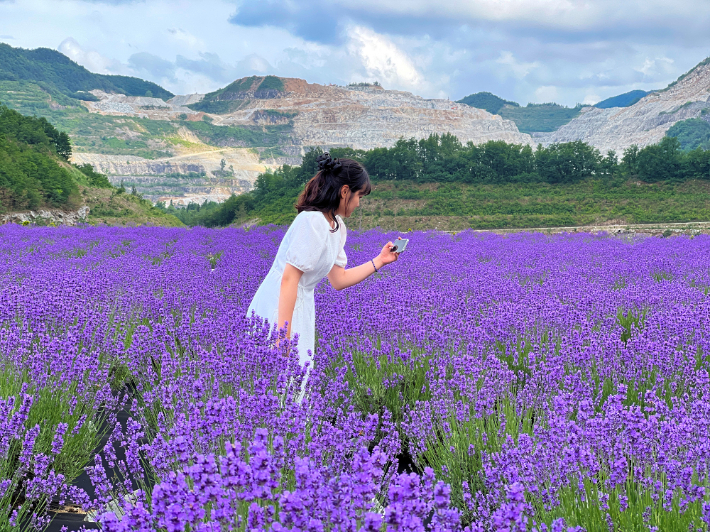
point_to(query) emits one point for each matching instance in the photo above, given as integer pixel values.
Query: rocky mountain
(643, 123)
(299, 113)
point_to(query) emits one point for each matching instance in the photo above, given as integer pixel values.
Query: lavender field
(482, 382)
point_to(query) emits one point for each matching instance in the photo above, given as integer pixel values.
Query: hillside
(532, 118)
(445, 184)
(35, 175)
(488, 101)
(195, 148)
(622, 100)
(646, 121)
(57, 72)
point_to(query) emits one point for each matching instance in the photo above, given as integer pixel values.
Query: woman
(313, 248)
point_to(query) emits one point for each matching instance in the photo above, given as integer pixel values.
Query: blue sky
(566, 51)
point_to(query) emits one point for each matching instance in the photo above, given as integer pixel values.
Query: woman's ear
(345, 192)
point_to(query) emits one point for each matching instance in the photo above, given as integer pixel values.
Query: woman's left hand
(387, 256)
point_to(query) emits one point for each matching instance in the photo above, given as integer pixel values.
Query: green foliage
(692, 133)
(540, 117)
(661, 162)
(30, 172)
(622, 100)
(64, 76)
(496, 185)
(262, 136)
(232, 97)
(486, 100)
(95, 179)
(534, 117)
(271, 83)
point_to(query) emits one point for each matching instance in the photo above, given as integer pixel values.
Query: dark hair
(322, 192)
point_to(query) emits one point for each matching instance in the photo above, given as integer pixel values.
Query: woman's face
(349, 202)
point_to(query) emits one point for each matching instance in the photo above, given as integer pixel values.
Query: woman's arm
(288, 294)
(341, 278)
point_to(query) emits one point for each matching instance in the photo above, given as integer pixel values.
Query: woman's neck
(331, 221)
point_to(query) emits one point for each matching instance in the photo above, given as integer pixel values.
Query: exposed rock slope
(192, 177)
(643, 123)
(361, 117)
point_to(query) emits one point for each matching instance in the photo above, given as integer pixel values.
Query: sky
(566, 51)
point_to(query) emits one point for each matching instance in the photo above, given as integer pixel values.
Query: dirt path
(683, 227)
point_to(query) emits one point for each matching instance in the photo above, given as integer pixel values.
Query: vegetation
(544, 117)
(692, 133)
(622, 100)
(31, 171)
(270, 83)
(35, 173)
(55, 72)
(535, 117)
(438, 182)
(486, 100)
(246, 136)
(232, 97)
(192, 214)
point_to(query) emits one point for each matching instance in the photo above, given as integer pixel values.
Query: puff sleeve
(342, 258)
(307, 244)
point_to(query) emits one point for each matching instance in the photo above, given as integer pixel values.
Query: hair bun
(327, 163)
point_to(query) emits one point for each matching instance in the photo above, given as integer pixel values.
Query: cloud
(514, 48)
(520, 69)
(186, 37)
(209, 64)
(546, 94)
(381, 59)
(656, 66)
(152, 65)
(90, 59)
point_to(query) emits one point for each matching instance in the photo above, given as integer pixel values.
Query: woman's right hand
(387, 256)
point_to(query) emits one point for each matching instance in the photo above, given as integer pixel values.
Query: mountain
(488, 101)
(54, 70)
(532, 118)
(692, 133)
(622, 100)
(35, 175)
(643, 123)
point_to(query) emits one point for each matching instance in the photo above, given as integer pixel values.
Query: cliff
(292, 114)
(642, 123)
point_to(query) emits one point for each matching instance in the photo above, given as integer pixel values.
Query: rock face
(47, 216)
(189, 178)
(361, 117)
(643, 123)
(371, 117)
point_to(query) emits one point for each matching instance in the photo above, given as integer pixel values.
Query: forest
(34, 168)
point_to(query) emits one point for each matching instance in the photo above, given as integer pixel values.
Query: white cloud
(381, 59)
(186, 37)
(520, 69)
(91, 59)
(652, 67)
(546, 94)
(591, 98)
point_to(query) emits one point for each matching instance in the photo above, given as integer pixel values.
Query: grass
(404, 206)
(109, 207)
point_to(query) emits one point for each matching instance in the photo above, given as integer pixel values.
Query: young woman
(313, 248)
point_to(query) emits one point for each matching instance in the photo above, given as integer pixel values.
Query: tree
(661, 162)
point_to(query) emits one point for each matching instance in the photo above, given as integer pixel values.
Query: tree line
(444, 159)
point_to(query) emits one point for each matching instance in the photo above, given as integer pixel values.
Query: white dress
(310, 246)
